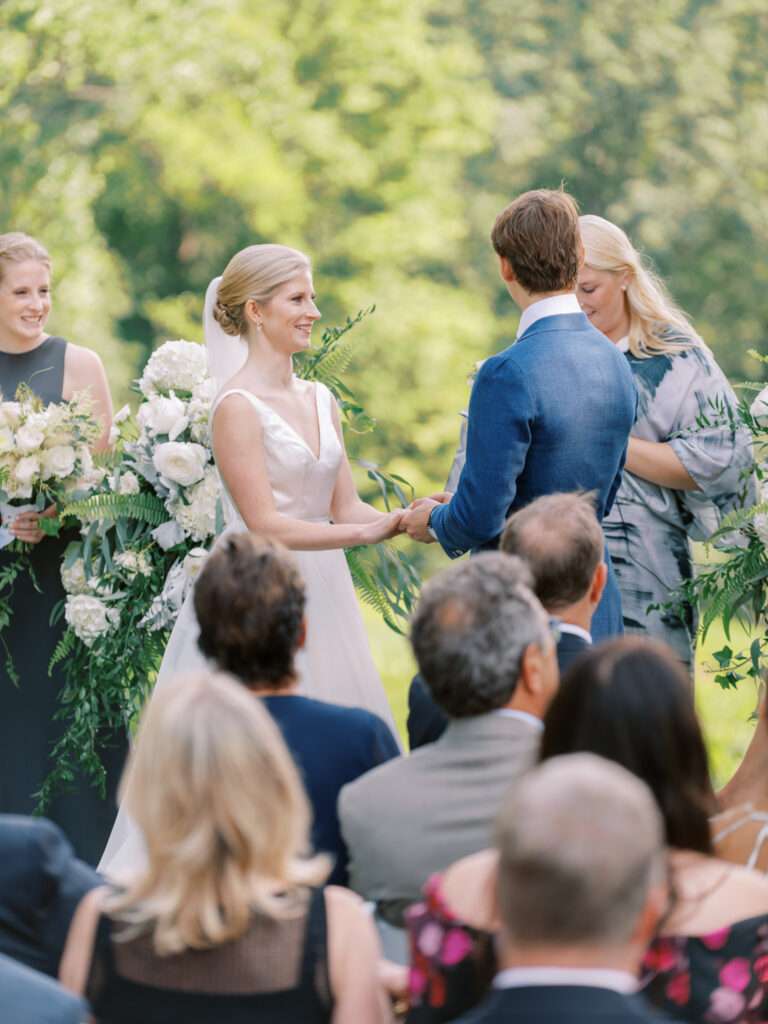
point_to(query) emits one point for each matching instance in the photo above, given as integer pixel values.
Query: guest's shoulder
(31, 835)
(376, 785)
(359, 719)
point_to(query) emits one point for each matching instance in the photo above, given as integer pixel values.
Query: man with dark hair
(581, 890)
(550, 413)
(249, 603)
(484, 647)
(560, 540)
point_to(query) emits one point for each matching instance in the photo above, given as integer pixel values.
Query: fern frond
(146, 507)
(63, 649)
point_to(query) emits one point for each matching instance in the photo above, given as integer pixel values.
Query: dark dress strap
(315, 951)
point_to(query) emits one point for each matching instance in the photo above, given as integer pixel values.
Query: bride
(279, 449)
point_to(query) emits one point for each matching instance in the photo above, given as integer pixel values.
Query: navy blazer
(550, 413)
(427, 722)
(332, 745)
(41, 883)
(562, 1004)
(28, 997)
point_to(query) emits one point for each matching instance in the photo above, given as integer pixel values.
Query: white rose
(128, 483)
(194, 562)
(58, 461)
(74, 579)
(759, 408)
(134, 563)
(197, 515)
(175, 366)
(10, 414)
(180, 463)
(163, 415)
(89, 617)
(7, 442)
(27, 470)
(30, 436)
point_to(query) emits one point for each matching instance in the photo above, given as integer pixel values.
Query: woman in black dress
(55, 370)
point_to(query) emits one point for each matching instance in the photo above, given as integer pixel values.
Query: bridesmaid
(55, 370)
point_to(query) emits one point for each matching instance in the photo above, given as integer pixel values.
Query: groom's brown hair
(538, 235)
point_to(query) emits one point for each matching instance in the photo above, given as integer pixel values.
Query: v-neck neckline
(293, 429)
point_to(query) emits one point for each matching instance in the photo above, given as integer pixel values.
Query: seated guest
(580, 890)
(41, 883)
(249, 603)
(28, 997)
(483, 645)
(629, 701)
(228, 920)
(559, 538)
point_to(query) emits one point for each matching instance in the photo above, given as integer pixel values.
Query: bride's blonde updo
(254, 273)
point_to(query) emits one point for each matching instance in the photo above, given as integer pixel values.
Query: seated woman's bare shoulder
(712, 894)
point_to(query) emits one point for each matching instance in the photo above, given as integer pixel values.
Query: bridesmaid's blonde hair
(254, 273)
(656, 325)
(16, 247)
(226, 822)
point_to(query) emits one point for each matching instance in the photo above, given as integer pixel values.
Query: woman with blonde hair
(279, 449)
(228, 920)
(55, 370)
(688, 463)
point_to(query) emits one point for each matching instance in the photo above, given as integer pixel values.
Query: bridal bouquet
(45, 459)
(145, 528)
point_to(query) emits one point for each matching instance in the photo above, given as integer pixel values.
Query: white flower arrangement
(176, 366)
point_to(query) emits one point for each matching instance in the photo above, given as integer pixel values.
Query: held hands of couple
(416, 519)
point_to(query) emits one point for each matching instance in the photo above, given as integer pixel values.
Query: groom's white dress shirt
(592, 977)
(554, 305)
(574, 630)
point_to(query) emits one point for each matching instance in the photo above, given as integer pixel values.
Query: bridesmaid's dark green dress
(27, 726)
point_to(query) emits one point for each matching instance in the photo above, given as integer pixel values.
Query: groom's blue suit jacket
(550, 413)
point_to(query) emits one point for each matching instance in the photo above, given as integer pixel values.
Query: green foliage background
(146, 142)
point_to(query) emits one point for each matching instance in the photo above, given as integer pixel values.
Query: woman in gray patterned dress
(687, 466)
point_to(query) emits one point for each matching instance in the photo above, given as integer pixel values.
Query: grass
(726, 715)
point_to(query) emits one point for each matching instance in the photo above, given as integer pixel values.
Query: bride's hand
(383, 528)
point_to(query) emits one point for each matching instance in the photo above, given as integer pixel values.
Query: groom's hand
(441, 497)
(415, 520)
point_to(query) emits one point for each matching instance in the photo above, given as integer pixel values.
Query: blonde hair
(225, 819)
(656, 325)
(15, 247)
(254, 273)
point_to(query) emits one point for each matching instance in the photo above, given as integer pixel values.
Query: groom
(550, 413)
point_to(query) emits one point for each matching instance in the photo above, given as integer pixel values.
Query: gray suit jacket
(28, 997)
(417, 814)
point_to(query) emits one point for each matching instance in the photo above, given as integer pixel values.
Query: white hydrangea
(162, 414)
(90, 617)
(73, 577)
(180, 463)
(133, 563)
(759, 408)
(198, 517)
(175, 366)
(58, 461)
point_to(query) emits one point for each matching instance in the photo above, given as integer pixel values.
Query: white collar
(554, 305)
(622, 344)
(573, 630)
(592, 977)
(522, 716)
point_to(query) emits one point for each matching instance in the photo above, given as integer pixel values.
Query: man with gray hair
(581, 889)
(484, 647)
(560, 540)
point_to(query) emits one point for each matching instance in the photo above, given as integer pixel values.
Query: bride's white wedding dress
(335, 664)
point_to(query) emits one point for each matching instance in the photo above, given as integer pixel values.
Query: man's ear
(531, 671)
(598, 584)
(506, 271)
(301, 639)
